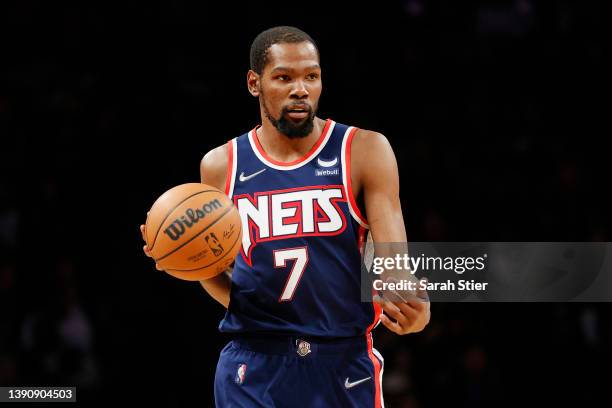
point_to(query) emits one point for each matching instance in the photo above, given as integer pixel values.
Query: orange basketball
(193, 231)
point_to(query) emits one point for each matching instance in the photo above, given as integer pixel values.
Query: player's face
(290, 87)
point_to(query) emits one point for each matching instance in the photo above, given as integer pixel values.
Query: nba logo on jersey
(241, 373)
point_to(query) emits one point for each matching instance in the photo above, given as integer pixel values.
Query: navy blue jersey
(298, 271)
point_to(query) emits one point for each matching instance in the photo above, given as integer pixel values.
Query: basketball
(193, 231)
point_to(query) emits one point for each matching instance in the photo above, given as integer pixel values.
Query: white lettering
(279, 213)
(335, 220)
(259, 215)
(299, 206)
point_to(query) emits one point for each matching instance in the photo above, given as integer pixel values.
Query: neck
(280, 147)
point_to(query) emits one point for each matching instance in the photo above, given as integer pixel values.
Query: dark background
(495, 110)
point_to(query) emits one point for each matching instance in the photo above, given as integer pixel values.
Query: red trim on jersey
(377, 311)
(247, 256)
(361, 239)
(351, 197)
(230, 167)
(297, 161)
(376, 362)
(320, 214)
(294, 219)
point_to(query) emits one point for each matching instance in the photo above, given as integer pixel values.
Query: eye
(283, 77)
(312, 76)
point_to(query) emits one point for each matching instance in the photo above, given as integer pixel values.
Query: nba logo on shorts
(241, 373)
(303, 347)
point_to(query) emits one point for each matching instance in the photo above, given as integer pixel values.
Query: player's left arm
(374, 171)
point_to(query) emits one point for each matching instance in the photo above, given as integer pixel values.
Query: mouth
(298, 112)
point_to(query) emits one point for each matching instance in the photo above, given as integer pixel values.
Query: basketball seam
(196, 235)
(206, 266)
(170, 212)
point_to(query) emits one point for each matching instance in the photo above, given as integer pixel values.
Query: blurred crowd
(492, 109)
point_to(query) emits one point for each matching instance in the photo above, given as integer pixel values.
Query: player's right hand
(145, 248)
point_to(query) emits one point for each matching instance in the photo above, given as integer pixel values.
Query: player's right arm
(213, 171)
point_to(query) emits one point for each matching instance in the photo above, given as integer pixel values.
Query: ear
(253, 82)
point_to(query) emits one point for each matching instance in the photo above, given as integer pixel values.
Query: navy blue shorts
(293, 372)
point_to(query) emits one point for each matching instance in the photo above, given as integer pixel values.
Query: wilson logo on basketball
(191, 217)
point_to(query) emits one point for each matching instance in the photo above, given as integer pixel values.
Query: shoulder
(372, 156)
(369, 142)
(216, 156)
(213, 167)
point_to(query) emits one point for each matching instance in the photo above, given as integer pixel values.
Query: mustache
(298, 106)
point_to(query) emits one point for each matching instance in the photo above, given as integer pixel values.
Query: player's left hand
(145, 248)
(410, 316)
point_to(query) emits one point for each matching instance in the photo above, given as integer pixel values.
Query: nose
(299, 91)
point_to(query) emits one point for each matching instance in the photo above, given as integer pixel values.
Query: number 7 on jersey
(300, 256)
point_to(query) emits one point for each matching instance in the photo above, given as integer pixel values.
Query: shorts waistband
(301, 346)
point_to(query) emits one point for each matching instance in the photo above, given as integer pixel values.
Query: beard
(289, 128)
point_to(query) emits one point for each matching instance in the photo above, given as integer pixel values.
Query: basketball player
(303, 187)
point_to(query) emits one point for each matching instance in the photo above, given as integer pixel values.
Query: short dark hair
(275, 35)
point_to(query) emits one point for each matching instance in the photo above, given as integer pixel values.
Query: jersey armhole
(231, 167)
(346, 177)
